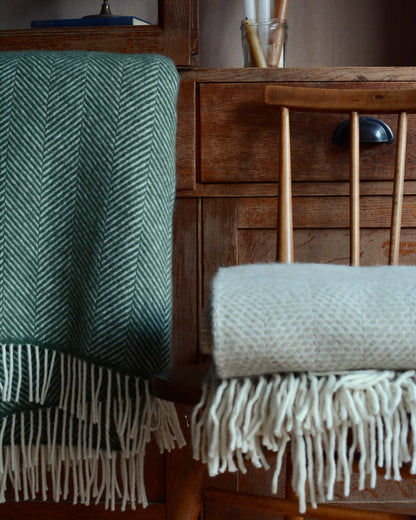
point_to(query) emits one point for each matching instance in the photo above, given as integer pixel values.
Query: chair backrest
(354, 102)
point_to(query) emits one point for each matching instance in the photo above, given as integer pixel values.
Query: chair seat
(182, 384)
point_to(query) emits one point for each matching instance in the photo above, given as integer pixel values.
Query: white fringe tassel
(237, 418)
(32, 466)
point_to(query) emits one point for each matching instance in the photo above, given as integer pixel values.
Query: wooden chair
(184, 385)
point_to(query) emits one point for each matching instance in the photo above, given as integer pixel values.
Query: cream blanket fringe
(70, 459)
(237, 418)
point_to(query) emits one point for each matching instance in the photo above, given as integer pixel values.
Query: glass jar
(264, 42)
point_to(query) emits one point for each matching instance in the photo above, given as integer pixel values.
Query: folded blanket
(313, 317)
(307, 353)
(87, 186)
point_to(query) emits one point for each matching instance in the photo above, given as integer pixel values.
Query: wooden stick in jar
(256, 51)
(281, 9)
(278, 37)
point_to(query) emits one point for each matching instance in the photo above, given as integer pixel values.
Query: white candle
(264, 9)
(264, 16)
(250, 9)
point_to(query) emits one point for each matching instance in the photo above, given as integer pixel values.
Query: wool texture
(87, 185)
(318, 356)
(272, 318)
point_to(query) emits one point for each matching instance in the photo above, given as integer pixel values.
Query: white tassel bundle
(328, 419)
(69, 445)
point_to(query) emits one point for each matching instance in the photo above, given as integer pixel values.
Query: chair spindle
(285, 224)
(355, 189)
(397, 208)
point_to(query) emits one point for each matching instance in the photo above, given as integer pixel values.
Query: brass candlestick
(105, 11)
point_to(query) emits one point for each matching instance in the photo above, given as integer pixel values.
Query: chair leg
(187, 503)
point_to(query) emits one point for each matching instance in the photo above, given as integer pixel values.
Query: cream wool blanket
(306, 353)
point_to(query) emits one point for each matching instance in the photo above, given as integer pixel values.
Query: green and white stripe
(87, 183)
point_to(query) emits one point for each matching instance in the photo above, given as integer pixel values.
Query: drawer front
(239, 137)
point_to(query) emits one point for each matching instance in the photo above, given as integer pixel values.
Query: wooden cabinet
(232, 179)
(227, 159)
(226, 207)
(229, 215)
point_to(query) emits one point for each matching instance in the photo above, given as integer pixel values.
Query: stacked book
(90, 21)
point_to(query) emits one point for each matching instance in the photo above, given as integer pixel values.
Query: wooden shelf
(176, 36)
(299, 74)
(115, 39)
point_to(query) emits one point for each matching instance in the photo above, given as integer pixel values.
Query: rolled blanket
(274, 318)
(306, 353)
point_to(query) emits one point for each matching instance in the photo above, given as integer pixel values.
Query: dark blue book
(89, 22)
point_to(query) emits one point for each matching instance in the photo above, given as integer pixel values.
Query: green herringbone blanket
(87, 179)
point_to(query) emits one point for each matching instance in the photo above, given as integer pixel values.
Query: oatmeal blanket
(87, 182)
(321, 356)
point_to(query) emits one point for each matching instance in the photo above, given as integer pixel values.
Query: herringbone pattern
(87, 183)
(86, 195)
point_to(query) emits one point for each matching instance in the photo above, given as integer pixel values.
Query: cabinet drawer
(240, 139)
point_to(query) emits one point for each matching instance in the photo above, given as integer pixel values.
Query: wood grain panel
(299, 189)
(240, 136)
(219, 238)
(325, 246)
(177, 23)
(185, 137)
(324, 212)
(257, 245)
(108, 39)
(185, 315)
(383, 75)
